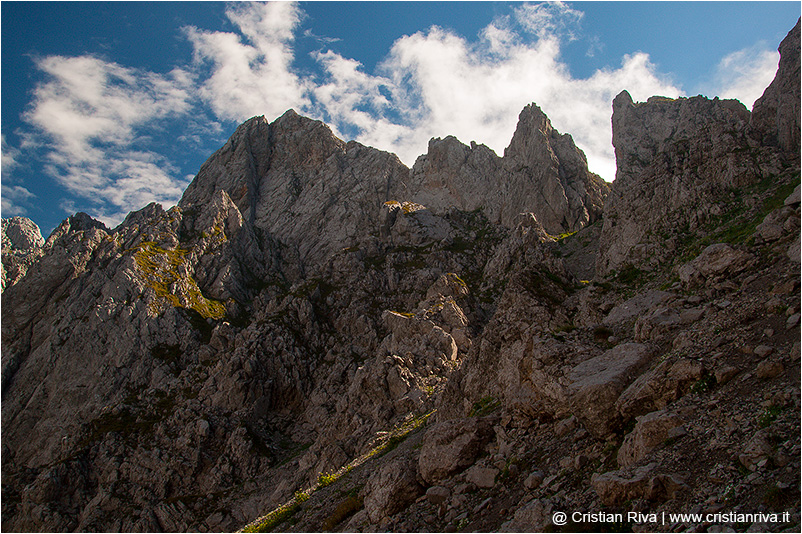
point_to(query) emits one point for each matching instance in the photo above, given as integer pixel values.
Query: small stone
(763, 350)
(565, 426)
(513, 470)
(725, 373)
(437, 494)
(767, 369)
(533, 480)
(483, 477)
(481, 506)
(768, 332)
(691, 316)
(792, 321)
(581, 461)
(459, 489)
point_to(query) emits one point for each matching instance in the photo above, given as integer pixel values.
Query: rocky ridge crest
(303, 335)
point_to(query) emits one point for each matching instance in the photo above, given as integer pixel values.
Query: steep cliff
(319, 338)
(679, 162)
(542, 172)
(776, 114)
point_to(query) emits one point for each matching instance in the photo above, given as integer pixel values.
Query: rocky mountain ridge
(470, 344)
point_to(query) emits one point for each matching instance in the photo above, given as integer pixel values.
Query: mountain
(320, 338)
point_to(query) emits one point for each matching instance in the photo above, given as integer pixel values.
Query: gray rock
(775, 115)
(451, 446)
(763, 350)
(769, 369)
(615, 487)
(437, 494)
(597, 383)
(534, 480)
(391, 490)
(650, 431)
(534, 516)
(20, 234)
(543, 172)
(725, 373)
(715, 261)
(482, 477)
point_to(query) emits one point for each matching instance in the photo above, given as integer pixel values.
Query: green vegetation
(326, 479)
(563, 236)
(629, 274)
(164, 271)
(269, 521)
(130, 421)
(279, 515)
(738, 224)
(704, 384)
(484, 406)
(769, 415)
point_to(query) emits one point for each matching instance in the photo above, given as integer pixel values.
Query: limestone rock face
(678, 158)
(542, 172)
(22, 243)
(298, 185)
(304, 334)
(776, 114)
(675, 158)
(21, 233)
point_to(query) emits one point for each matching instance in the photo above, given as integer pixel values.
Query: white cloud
(745, 74)
(13, 199)
(251, 71)
(441, 84)
(91, 115)
(9, 158)
(96, 119)
(548, 19)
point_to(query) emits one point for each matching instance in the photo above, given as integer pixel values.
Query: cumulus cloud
(91, 115)
(97, 119)
(745, 74)
(436, 83)
(251, 71)
(14, 200)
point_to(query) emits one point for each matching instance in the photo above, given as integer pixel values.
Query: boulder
(597, 383)
(717, 261)
(650, 431)
(391, 489)
(615, 487)
(451, 446)
(655, 389)
(482, 477)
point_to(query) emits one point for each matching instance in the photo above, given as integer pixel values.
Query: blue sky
(107, 106)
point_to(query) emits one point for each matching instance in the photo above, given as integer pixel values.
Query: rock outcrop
(678, 158)
(22, 244)
(776, 114)
(318, 338)
(542, 172)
